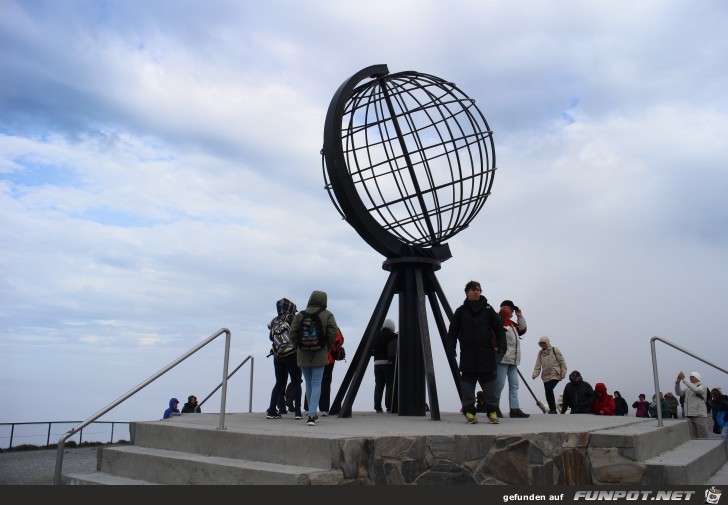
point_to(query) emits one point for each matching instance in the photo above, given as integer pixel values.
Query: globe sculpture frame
(408, 161)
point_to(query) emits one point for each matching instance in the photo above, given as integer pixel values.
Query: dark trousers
(487, 381)
(286, 367)
(383, 380)
(325, 398)
(549, 387)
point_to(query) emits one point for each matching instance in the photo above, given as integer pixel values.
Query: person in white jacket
(695, 409)
(509, 361)
(551, 365)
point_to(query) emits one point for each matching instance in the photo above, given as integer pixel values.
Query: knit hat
(389, 324)
(508, 303)
(696, 375)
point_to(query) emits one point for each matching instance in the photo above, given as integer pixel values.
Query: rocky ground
(38, 467)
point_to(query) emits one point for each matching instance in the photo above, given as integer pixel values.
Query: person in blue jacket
(173, 403)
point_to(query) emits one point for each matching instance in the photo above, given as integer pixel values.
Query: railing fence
(41, 433)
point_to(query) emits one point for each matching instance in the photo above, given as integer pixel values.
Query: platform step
(102, 479)
(181, 468)
(690, 462)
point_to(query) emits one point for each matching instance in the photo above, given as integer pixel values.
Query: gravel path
(39, 467)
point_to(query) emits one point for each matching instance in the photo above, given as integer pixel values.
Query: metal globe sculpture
(408, 161)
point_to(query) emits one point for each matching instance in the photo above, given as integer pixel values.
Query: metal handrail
(654, 370)
(62, 440)
(250, 396)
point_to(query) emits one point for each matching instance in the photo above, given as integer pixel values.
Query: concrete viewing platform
(370, 448)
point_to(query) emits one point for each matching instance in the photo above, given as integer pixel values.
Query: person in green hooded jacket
(312, 363)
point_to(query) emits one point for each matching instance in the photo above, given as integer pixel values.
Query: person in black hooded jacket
(479, 330)
(578, 395)
(286, 366)
(620, 405)
(191, 407)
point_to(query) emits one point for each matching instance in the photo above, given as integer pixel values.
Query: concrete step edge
(102, 478)
(693, 461)
(175, 467)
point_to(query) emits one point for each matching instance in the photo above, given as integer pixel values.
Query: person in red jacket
(603, 404)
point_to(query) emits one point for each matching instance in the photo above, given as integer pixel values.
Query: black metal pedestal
(412, 279)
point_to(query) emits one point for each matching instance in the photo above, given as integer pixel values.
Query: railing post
(12, 431)
(250, 396)
(658, 403)
(112, 433)
(48, 438)
(223, 396)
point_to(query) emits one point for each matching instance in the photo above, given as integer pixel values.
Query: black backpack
(313, 337)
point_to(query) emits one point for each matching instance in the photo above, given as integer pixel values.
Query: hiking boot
(272, 415)
(311, 421)
(553, 412)
(471, 419)
(298, 416)
(519, 413)
(493, 418)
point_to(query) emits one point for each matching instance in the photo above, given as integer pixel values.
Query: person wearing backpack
(283, 351)
(336, 353)
(313, 332)
(720, 414)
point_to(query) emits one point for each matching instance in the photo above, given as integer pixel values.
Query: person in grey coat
(312, 363)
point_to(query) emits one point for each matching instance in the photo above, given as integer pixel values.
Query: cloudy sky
(160, 173)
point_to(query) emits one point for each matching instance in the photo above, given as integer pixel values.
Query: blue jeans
(510, 371)
(312, 375)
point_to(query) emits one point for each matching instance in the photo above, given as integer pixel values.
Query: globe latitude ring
(408, 160)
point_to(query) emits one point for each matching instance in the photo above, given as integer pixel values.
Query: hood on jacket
(389, 324)
(545, 339)
(172, 401)
(285, 306)
(318, 299)
(600, 388)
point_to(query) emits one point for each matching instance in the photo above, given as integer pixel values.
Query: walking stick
(538, 402)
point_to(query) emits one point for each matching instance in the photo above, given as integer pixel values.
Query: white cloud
(160, 178)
